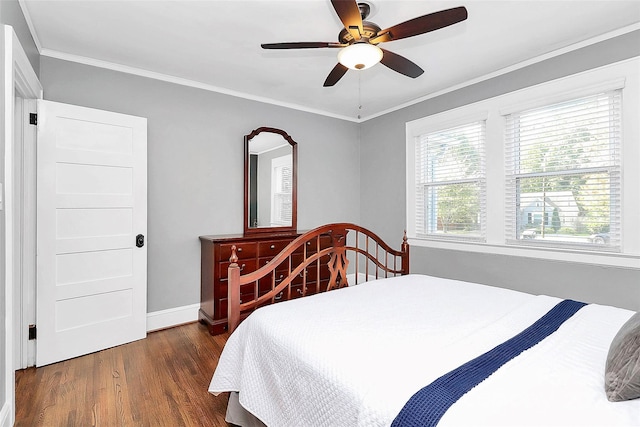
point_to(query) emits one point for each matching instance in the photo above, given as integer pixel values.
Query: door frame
(24, 263)
(19, 80)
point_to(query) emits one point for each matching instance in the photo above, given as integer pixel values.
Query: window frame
(480, 180)
(612, 171)
(280, 162)
(623, 75)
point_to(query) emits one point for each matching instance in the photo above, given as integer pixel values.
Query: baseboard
(5, 415)
(172, 317)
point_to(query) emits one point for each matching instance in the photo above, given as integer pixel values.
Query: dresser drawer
(243, 251)
(263, 261)
(297, 290)
(246, 266)
(271, 247)
(296, 259)
(312, 246)
(311, 274)
(246, 291)
(266, 281)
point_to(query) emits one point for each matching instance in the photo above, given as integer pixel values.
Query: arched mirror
(270, 181)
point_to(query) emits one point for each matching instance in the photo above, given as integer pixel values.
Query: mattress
(354, 356)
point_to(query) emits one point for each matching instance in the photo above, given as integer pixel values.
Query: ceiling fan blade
(300, 45)
(336, 74)
(400, 64)
(349, 13)
(422, 24)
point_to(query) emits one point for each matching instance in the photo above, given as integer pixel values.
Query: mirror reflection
(270, 181)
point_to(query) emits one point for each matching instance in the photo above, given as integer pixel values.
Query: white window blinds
(450, 183)
(563, 173)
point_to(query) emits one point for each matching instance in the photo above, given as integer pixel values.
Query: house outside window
(563, 172)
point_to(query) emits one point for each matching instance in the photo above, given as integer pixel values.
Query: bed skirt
(236, 414)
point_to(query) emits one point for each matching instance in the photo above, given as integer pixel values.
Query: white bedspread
(353, 357)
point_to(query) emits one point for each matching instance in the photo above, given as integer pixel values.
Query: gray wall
(383, 198)
(12, 15)
(195, 164)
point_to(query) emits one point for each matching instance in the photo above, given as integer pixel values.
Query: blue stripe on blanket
(428, 405)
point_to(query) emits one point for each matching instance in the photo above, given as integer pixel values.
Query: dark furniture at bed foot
(253, 252)
(317, 261)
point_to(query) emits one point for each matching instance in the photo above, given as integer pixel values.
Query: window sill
(611, 259)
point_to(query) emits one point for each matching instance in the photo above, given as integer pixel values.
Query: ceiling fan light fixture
(360, 56)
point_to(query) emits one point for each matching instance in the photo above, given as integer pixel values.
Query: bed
(364, 353)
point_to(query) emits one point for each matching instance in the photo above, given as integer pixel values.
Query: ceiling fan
(359, 39)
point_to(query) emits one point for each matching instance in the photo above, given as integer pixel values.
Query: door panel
(91, 291)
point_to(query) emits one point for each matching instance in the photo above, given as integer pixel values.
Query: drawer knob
(273, 246)
(239, 249)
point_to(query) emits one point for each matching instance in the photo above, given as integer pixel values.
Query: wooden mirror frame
(294, 190)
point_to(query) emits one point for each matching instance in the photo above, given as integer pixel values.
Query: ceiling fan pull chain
(359, 96)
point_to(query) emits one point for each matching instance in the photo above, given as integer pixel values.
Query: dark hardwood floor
(158, 381)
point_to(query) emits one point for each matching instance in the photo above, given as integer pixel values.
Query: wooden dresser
(253, 252)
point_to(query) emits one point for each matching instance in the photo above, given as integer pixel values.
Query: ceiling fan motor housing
(369, 28)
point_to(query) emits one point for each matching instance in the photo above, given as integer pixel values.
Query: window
(563, 173)
(559, 178)
(281, 190)
(450, 184)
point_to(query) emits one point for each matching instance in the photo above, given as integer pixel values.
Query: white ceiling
(216, 44)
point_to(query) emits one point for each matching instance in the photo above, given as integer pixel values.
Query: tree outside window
(566, 168)
(450, 179)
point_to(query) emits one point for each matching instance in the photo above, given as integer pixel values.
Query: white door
(92, 205)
